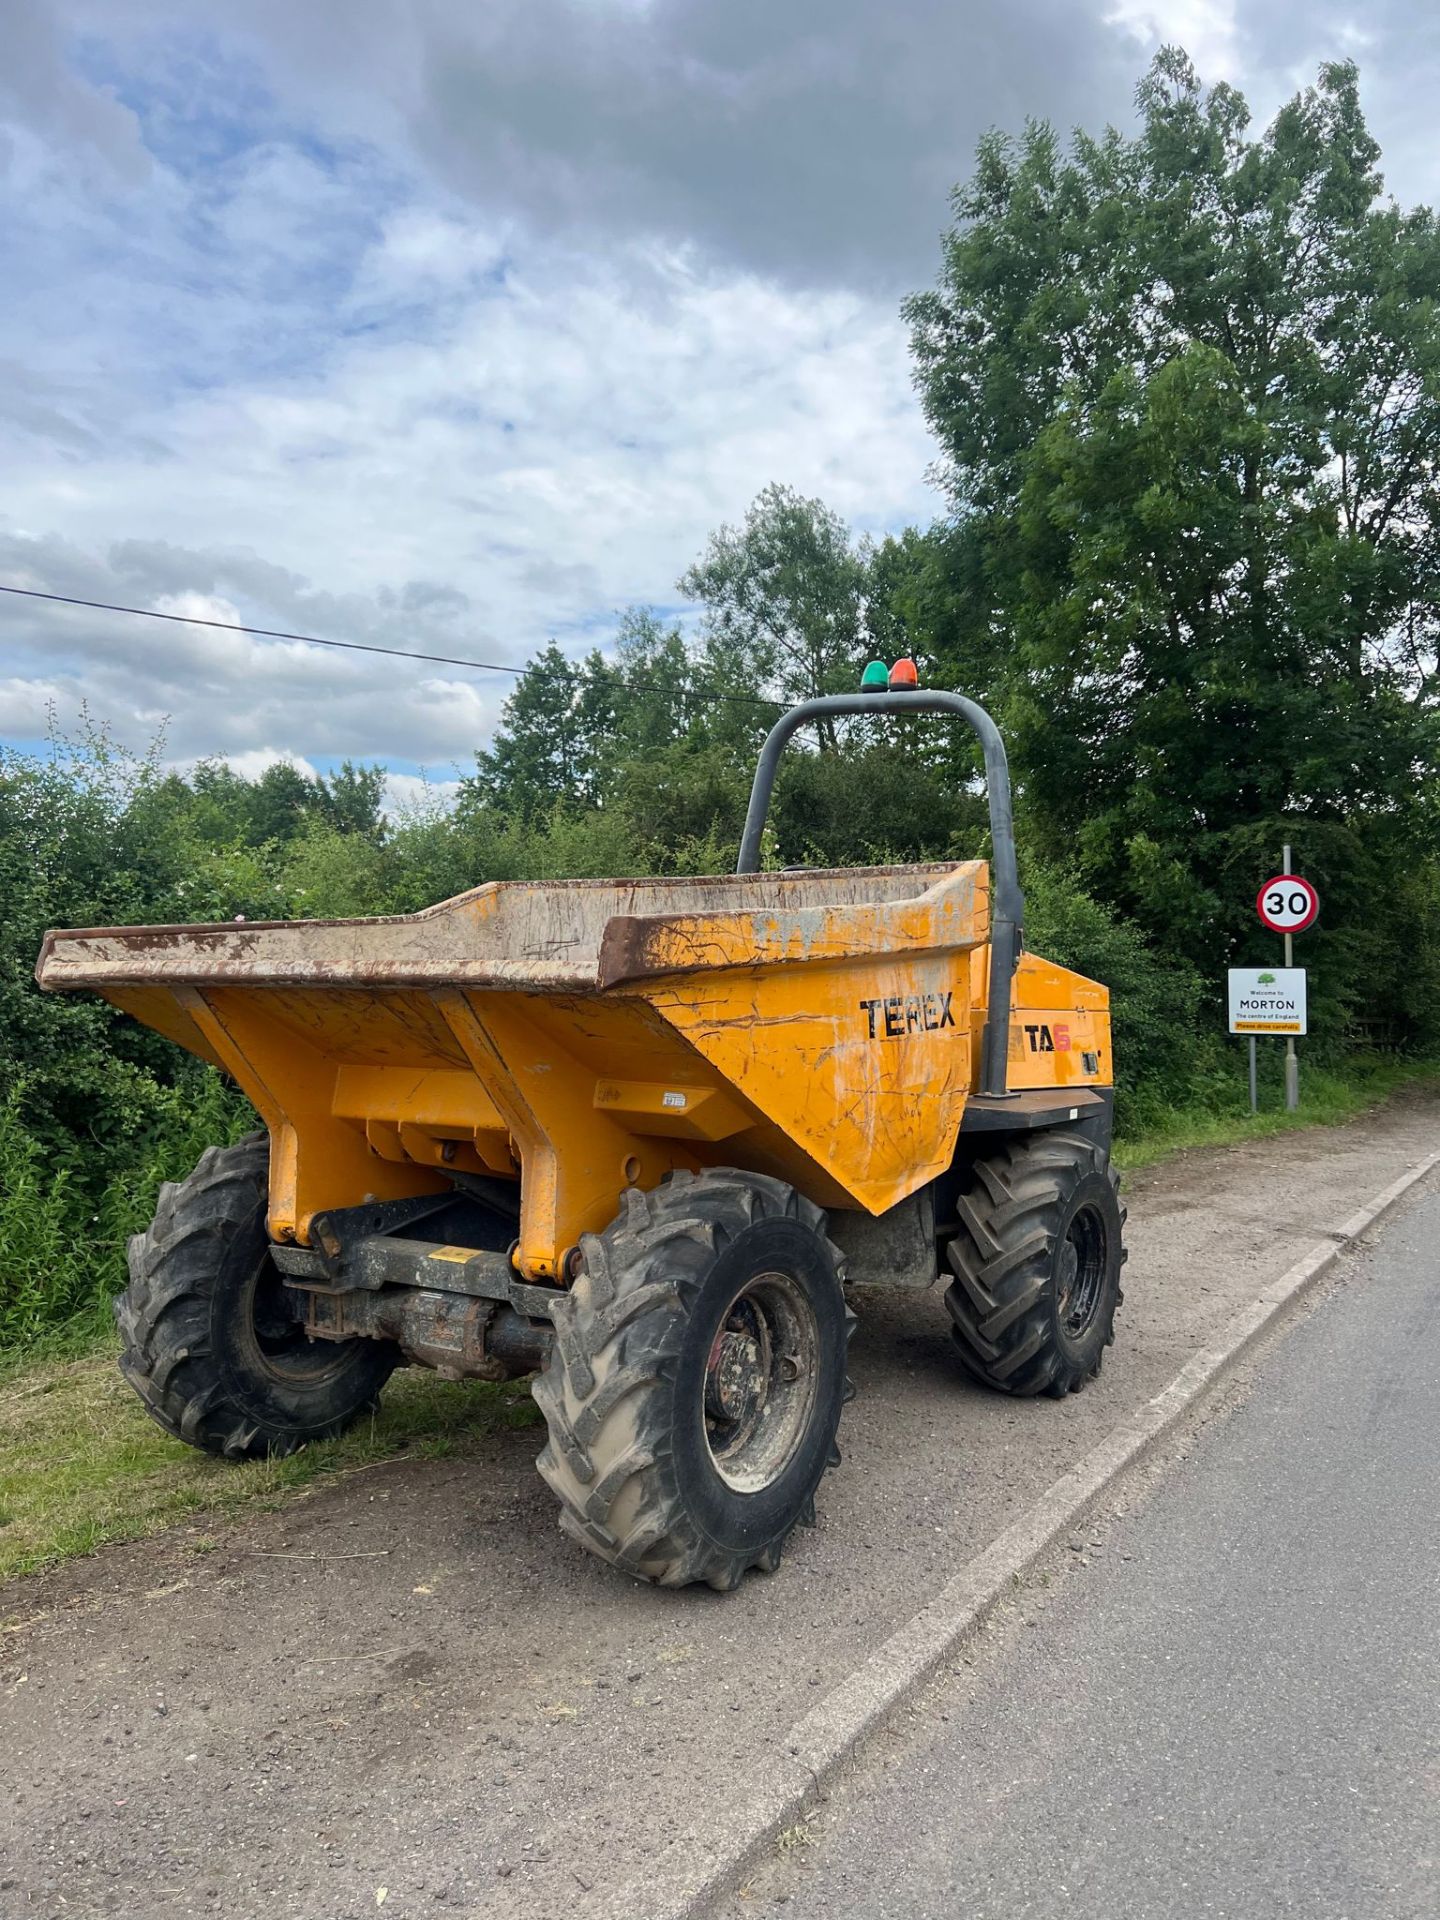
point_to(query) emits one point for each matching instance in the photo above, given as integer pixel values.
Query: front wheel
(1037, 1257)
(694, 1389)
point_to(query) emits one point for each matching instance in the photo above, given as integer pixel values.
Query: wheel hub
(761, 1381)
(1080, 1273)
(735, 1379)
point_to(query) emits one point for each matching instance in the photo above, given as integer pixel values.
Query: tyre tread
(163, 1316)
(618, 1335)
(1001, 1255)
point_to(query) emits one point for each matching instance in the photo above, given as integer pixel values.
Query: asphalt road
(1228, 1702)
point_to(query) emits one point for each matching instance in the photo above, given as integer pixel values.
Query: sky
(458, 325)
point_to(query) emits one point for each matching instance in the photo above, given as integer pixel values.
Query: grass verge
(81, 1464)
(1329, 1096)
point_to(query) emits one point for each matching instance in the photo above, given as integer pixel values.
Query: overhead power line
(391, 653)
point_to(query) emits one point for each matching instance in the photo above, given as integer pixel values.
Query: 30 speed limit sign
(1287, 904)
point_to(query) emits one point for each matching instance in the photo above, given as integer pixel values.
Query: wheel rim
(280, 1345)
(1080, 1273)
(761, 1381)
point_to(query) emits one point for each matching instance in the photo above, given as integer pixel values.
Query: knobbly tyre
(638, 1138)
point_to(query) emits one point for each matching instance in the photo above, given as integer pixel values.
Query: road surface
(1226, 1703)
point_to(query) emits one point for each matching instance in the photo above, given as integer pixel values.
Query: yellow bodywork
(587, 1036)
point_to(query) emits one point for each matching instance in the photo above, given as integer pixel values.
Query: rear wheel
(1037, 1258)
(208, 1339)
(694, 1389)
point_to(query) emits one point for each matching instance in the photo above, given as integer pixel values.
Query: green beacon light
(877, 674)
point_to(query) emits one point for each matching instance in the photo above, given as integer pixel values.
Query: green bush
(1161, 1055)
(63, 1239)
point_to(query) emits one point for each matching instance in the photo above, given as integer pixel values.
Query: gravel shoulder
(409, 1680)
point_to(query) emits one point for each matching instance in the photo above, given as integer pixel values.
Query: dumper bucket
(588, 1035)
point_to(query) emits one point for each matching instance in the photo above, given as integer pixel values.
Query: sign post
(1292, 1064)
(1287, 905)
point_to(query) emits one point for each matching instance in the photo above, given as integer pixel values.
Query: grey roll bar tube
(1007, 904)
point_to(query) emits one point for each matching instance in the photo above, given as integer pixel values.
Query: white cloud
(26, 705)
(256, 761)
(199, 608)
(1207, 29)
(409, 794)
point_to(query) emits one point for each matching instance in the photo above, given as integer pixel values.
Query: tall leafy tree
(546, 752)
(680, 741)
(784, 599)
(1187, 385)
(351, 799)
(279, 802)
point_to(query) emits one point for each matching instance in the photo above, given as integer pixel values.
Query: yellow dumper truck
(637, 1138)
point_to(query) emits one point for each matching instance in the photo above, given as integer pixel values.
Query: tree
(784, 598)
(546, 750)
(1188, 390)
(279, 802)
(652, 696)
(351, 800)
(676, 756)
(651, 730)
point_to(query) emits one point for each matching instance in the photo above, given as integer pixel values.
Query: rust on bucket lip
(531, 938)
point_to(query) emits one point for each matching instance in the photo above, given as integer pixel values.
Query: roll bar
(1007, 904)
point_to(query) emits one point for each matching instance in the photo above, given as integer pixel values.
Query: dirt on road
(407, 1691)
